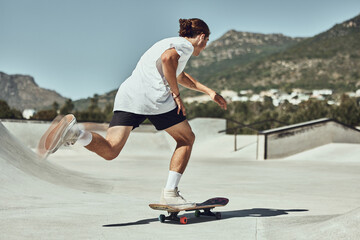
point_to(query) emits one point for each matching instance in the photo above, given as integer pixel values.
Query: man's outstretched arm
(189, 82)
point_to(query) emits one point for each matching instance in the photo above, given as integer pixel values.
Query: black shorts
(160, 121)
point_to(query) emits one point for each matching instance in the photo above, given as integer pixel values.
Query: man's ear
(200, 38)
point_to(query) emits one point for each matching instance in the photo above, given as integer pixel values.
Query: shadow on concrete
(259, 212)
(140, 222)
(255, 212)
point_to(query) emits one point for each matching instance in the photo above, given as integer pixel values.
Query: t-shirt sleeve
(182, 48)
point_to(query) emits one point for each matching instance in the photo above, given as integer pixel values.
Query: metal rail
(249, 126)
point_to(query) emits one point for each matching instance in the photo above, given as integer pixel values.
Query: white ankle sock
(173, 180)
(85, 138)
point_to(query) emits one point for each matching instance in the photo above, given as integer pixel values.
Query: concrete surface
(77, 195)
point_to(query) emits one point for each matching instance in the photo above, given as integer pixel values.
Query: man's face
(200, 44)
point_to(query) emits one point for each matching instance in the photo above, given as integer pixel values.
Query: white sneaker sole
(62, 132)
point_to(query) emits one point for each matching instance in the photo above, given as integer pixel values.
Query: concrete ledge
(289, 140)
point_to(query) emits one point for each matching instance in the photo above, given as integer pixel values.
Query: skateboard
(203, 208)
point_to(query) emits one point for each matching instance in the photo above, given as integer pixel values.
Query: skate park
(296, 182)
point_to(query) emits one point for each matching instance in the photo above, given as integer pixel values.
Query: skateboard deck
(204, 206)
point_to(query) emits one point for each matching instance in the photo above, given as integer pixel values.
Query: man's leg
(110, 147)
(64, 130)
(184, 137)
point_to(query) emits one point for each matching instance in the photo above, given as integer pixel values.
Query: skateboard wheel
(218, 215)
(183, 220)
(197, 213)
(162, 218)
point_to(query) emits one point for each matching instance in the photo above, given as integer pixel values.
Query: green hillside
(221, 58)
(328, 60)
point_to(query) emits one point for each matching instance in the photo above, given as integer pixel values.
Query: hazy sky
(83, 47)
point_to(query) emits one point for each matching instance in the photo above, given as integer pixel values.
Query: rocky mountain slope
(232, 50)
(21, 92)
(246, 46)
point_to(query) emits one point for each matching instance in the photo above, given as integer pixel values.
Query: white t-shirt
(147, 91)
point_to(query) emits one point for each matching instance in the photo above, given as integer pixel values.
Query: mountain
(328, 60)
(103, 101)
(21, 92)
(232, 50)
(234, 47)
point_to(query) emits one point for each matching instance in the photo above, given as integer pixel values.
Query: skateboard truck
(207, 212)
(173, 217)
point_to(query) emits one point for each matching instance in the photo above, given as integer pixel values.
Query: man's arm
(169, 60)
(189, 82)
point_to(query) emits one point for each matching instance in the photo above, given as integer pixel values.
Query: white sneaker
(175, 199)
(65, 133)
(72, 135)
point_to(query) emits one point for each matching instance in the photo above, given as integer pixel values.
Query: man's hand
(180, 104)
(219, 100)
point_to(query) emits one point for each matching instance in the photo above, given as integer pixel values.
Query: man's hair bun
(193, 27)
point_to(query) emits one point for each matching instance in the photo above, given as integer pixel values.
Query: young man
(151, 92)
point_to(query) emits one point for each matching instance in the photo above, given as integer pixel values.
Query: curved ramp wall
(15, 158)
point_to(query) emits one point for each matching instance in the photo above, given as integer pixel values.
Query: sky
(84, 47)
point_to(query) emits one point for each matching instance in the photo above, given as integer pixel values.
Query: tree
(348, 112)
(45, 115)
(7, 112)
(108, 111)
(311, 110)
(55, 106)
(67, 108)
(94, 104)
(268, 103)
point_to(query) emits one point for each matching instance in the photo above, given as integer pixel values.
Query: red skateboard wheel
(183, 220)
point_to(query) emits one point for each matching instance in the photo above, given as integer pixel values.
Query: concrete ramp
(289, 140)
(330, 153)
(344, 226)
(20, 166)
(77, 195)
